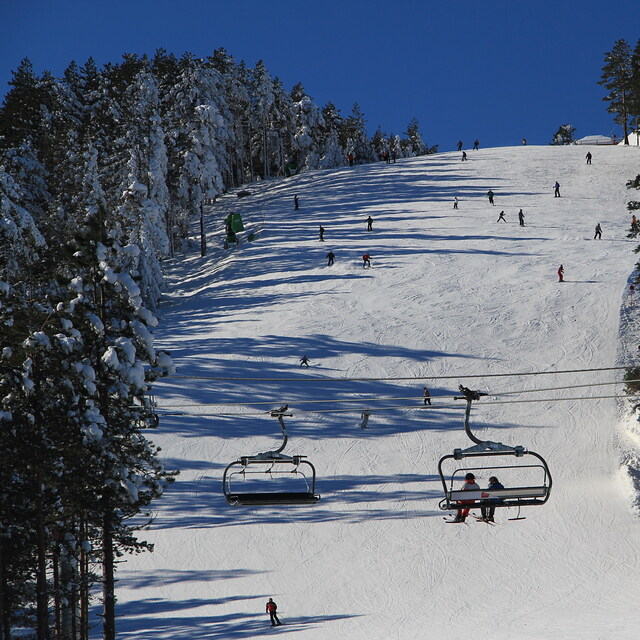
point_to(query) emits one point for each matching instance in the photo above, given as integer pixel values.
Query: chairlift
(533, 490)
(265, 467)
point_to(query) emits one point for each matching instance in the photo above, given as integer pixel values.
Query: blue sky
(498, 70)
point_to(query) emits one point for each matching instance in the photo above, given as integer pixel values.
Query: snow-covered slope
(450, 293)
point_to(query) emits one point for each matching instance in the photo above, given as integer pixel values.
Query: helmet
(469, 476)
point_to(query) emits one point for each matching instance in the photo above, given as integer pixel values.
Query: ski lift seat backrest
(511, 497)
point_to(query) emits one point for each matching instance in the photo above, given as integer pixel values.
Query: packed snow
(452, 297)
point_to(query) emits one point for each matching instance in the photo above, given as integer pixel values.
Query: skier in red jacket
(560, 273)
(469, 485)
(272, 607)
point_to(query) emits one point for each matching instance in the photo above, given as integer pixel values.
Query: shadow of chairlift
(530, 495)
(264, 466)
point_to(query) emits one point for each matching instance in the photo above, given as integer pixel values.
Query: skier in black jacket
(489, 506)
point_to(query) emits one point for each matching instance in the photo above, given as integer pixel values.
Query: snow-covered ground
(453, 297)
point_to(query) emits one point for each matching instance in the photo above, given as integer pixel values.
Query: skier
(598, 234)
(296, 203)
(272, 607)
(369, 223)
(427, 396)
(489, 510)
(634, 223)
(521, 218)
(304, 361)
(560, 273)
(350, 158)
(476, 144)
(321, 233)
(330, 258)
(588, 157)
(556, 190)
(459, 145)
(469, 485)
(490, 195)
(464, 156)
(366, 260)
(501, 217)
(455, 202)
(524, 142)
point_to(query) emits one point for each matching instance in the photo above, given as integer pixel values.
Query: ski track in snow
(450, 292)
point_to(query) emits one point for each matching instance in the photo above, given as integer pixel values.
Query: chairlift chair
(266, 466)
(534, 492)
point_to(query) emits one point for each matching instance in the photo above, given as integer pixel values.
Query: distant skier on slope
(521, 218)
(304, 361)
(272, 607)
(464, 156)
(469, 485)
(560, 273)
(501, 217)
(598, 234)
(459, 145)
(330, 258)
(588, 157)
(369, 223)
(321, 233)
(427, 396)
(556, 190)
(455, 202)
(296, 203)
(476, 144)
(366, 260)
(490, 195)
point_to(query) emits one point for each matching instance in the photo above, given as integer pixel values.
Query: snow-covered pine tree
(282, 132)
(564, 135)
(236, 91)
(380, 143)
(198, 128)
(354, 131)
(119, 363)
(333, 152)
(415, 143)
(309, 125)
(262, 99)
(634, 106)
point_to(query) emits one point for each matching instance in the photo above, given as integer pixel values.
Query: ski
(454, 521)
(479, 519)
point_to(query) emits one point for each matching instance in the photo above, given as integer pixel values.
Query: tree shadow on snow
(148, 619)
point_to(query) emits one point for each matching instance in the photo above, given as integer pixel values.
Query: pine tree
(634, 108)
(379, 142)
(20, 115)
(355, 134)
(617, 78)
(564, 135)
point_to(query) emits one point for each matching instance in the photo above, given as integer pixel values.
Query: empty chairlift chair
(274, 479)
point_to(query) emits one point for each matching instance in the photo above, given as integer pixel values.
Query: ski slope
(450, 293)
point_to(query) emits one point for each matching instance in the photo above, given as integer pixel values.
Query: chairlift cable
(396, 408)
(353, 379)
(380, 399)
